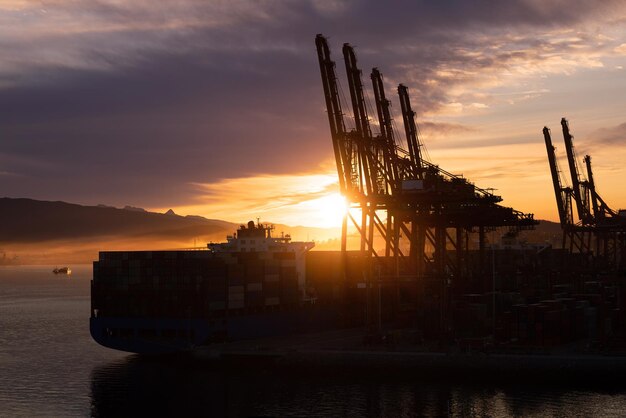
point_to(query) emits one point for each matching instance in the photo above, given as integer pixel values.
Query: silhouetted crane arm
(600, 208)
(386, 129)
(335, 114)
(556, 181)
(579, 195)
(408, 117)
(366, 166)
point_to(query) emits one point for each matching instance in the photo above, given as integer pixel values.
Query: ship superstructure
(257, 238)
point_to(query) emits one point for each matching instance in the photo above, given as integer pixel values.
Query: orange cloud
(307, 199)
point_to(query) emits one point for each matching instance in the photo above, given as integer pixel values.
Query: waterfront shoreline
(344, 349)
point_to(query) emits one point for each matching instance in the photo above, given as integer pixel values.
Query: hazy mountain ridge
(34, 221)
(39, 232)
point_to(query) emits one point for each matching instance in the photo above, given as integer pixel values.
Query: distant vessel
(62, 270)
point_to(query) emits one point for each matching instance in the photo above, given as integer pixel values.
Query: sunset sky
(215, 108)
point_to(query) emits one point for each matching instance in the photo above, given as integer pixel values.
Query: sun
(310, 200)
(327, 211)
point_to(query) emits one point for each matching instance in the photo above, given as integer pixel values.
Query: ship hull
(168, 335)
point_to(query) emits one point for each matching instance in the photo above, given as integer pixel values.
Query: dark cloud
(615, 135)
(444, 129)
(143, 100)
(517, 168)
(602, 139)
(185, 122)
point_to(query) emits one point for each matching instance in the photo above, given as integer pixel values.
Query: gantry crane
(402, 197)
(597, 223)
(574, 236)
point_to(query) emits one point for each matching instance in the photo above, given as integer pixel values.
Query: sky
(215, 108)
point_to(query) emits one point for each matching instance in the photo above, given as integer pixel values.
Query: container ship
(254, 285)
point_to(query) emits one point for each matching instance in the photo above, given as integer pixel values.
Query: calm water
(50, 367)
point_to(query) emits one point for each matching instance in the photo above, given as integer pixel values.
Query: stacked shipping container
(198, 284)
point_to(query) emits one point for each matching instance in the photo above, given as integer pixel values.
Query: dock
(347, 350)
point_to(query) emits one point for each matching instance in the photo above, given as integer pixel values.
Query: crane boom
(577, 187)
(556, 181)
(382, 105)
(600, 209)
(408, 117)
(363, 135)
(356, 91)
(592, 187)
(386, 129)
(335, 113)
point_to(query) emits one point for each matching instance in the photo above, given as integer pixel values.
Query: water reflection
(186, 387)
(182, 387)
(139, 386)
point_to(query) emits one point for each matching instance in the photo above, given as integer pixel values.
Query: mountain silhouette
(34, 221)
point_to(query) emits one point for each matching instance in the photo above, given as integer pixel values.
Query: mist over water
(50, 367)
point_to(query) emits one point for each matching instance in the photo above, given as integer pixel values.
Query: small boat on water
(62, 270)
